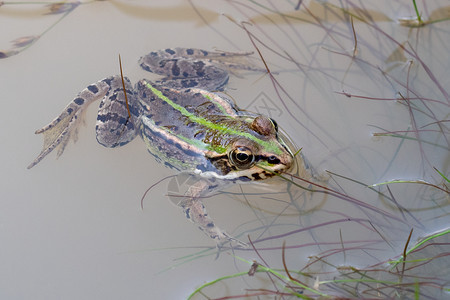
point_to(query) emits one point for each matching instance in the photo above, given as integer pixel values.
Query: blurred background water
(363, 95)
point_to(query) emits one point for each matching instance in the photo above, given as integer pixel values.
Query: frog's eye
(242, 157)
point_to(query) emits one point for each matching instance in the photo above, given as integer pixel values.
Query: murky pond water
(365, 98)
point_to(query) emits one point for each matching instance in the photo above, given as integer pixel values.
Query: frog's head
(257, 152)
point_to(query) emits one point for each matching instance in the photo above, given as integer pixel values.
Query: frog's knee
(118, 114)
(115, 134)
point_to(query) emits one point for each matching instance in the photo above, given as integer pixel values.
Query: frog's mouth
(290, 147)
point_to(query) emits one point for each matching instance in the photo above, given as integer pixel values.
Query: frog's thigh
(114, 126)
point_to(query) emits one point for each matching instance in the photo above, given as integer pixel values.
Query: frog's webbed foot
(58, 133)
(232, 242)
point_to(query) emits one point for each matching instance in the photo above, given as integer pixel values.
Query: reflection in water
(176, 13)
(365, 98)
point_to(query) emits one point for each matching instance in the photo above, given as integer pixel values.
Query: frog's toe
(226, 239)
(56, 137)
(64, 127)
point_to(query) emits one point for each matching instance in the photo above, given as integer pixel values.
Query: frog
(186, 122)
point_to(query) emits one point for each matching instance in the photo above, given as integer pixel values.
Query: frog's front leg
(195, 211)
(58, 133)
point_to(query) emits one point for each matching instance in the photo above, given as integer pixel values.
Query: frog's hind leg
(63, 128)
(229, 60)
(58, 133)
(189, 68)
(193, 53)
(185, 73)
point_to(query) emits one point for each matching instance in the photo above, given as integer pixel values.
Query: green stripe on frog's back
(223, 105)
(270, 146)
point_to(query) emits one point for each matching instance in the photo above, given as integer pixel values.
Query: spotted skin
(113, 126)
(184, 124)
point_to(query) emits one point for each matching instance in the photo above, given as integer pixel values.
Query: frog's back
(176, 124)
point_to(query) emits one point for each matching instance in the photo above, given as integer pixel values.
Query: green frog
(185, 122)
